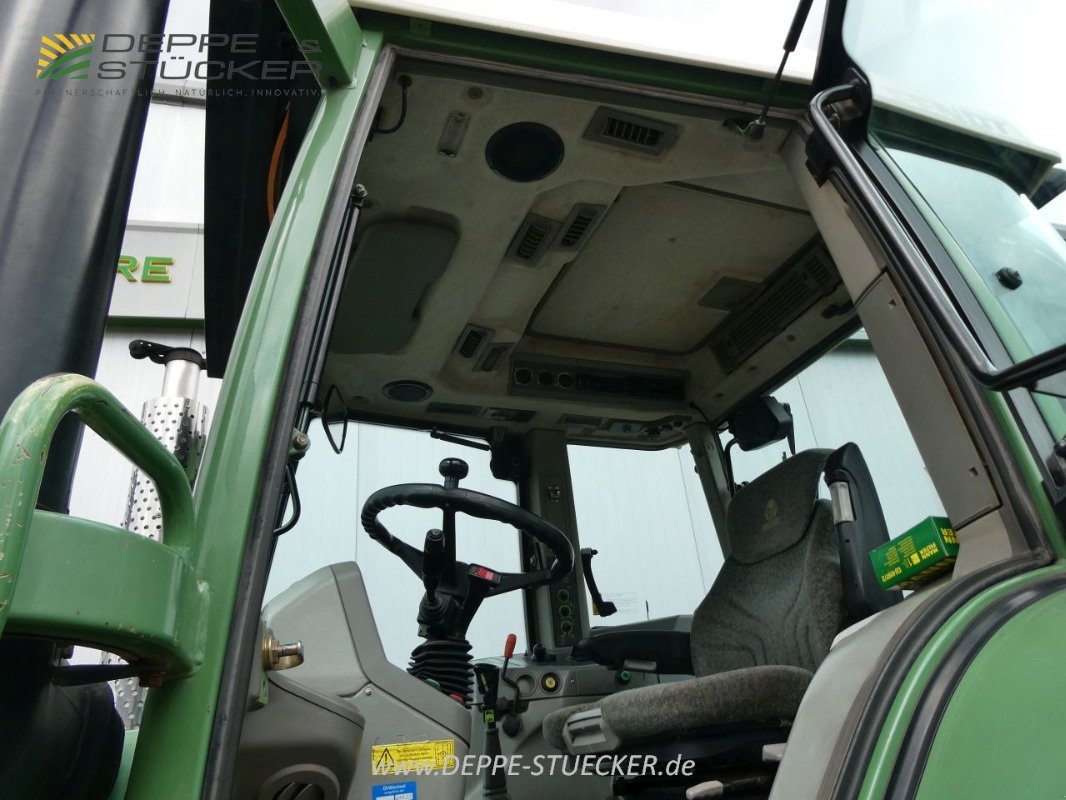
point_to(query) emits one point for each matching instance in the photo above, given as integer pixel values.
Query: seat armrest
(662, 642)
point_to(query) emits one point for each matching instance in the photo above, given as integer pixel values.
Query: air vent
(301, 791)
(519, 415)
(300, 782)
(579, 419)
(728, 293)
(578, 226)
(471, 340)
(532, 240)
(790, 292)
(493, 356)
(582, 380)
(454, 409)
(631, 132)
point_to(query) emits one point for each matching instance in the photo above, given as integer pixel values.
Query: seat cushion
(753, 694)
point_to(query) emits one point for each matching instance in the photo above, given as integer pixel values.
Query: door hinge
(848, 116)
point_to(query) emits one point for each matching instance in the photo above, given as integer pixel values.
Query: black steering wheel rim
(474, 504)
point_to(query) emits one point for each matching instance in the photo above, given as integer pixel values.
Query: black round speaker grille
(524, 151)
(407, 391)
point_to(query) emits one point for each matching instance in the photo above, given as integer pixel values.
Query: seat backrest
(860, 526)
(778, 597)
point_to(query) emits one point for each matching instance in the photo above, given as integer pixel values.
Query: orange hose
(275, 161)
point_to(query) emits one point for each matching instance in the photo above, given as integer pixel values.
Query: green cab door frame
(935, 632)
(922, 723)
(276, 349)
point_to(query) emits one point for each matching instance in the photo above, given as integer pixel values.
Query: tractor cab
(601, 418)
(650, 401)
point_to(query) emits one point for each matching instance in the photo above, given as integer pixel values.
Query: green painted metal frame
(328, 34)
(76, 581)
(898, 722)
(25, 435)
(172, 749)
(1001, 734)
(78, 577)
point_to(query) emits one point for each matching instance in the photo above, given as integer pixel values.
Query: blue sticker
(394, 791)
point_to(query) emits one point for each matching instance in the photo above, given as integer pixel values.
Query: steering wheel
(454, 589)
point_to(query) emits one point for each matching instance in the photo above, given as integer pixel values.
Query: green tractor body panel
(1001, 732)
(885, 760)
(331, 34)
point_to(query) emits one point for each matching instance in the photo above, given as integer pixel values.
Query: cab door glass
(333, 489)
(967, 115)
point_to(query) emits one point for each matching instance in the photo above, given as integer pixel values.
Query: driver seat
(764, 627)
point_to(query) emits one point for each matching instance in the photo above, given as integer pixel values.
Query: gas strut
(755, 129)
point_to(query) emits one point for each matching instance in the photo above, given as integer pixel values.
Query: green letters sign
(156, 269)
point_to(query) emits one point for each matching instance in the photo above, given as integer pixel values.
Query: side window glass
(844, 397)
(646, 514)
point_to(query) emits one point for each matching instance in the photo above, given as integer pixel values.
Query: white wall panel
(169, 185)
(845, 397)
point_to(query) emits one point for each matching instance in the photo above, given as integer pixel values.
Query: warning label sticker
(406, 757)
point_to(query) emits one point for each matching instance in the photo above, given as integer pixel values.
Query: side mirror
(761, 422)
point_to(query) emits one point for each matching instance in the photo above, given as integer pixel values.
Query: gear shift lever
(488, 681)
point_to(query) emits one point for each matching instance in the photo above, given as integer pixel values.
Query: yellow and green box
(917, 556)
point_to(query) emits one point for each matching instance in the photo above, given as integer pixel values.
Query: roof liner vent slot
(493, 356)
(728, 293)
(581, 419)
(532, 240)
(786, 296)
(455, 409)
(631, 131)
(579, 225)
(471, 340)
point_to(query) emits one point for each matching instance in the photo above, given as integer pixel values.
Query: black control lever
(488, 683)
(434, 557)
(512, 722)
(600, 607)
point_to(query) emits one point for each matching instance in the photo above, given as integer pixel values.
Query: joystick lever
(488, 683)
(433, 609)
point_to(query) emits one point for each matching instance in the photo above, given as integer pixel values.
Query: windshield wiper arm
(447, 437)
